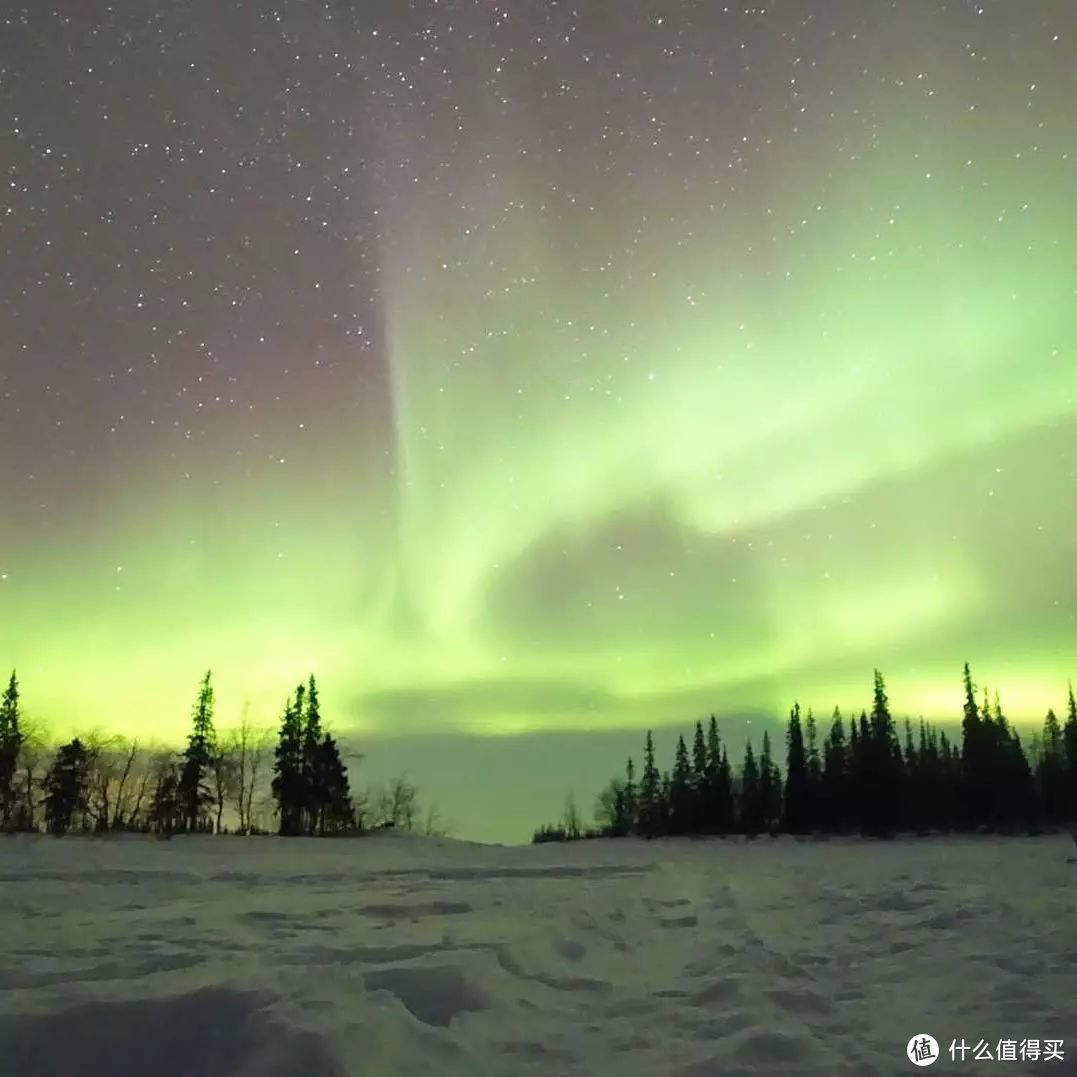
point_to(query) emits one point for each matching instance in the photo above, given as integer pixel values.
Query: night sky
(536, 366)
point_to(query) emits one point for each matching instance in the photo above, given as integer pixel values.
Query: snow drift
(229, 957)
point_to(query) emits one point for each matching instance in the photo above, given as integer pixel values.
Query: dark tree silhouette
(815, 771)
(770, 787)
(630, 806)
(834, 795)
(700, 782)
(751, 799)
(310, 781)
(194, 794)
(649, 791)
(1069, 743)
(336, 814)
(11, 739)
(315, 777)
(167, 809)
(797, 792)
(287, 784)
(66, 785)
(681, 792)
(718, 802)
(865, 777)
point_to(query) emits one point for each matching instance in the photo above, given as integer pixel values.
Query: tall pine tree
(681, 799)
(1069, 744)
(796, 776)
(315, 778)
(770, 786)
(700, 782)
(11, 739)
(193, 791)
(66, 786)
(751, 805)
(287, 784)
(649, 791)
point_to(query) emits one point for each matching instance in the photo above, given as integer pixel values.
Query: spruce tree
(913, 800)
(883, 764)
(1069, 744)
(630, 799)
(928, 787)
(681, 798)
(701, 784)
(834, 809)
(315, 792)
(815, 771)
(724, 806)
(796, 776)
(11, 739)
(287, 785)
(193, 791)
(975, 758)
(751, 809)
(336, 812)
(665, 810)
(66, 785)
(710, 820)
(166, 809)
(649, 791)
(770, 786)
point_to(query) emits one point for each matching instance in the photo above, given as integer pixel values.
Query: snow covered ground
(206, 957)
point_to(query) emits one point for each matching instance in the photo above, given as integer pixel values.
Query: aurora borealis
(536, 367)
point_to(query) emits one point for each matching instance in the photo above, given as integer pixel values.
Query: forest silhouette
(861, 777)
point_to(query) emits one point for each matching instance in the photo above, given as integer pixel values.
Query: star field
(536, 366)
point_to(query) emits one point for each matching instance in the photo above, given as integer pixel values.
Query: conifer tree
(917, 808)
(926, 787)
(11, 740)
(975, 758)
(882, 764)
(796, 776)
(649, 791)
(1015, 803)
(166, 810)
(700, 782)
(815, 770)
(952, 786)
(770, 786)
(193, 790)
(66, 784)
(1069, 744)
(630, 800)
(681, 799)
(751, 807)
(287, 784)
(710, 816)
(315, 781)
(725, 808)
(834, 787)
(336, 813)
(665, 811)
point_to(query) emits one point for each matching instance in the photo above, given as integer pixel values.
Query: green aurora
(717, 408)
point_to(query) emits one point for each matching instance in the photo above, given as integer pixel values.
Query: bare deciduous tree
(113, 772)
(395, 804)
(250, 748)
(31, 764)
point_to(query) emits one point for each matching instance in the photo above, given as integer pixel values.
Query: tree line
(858, 777)
(293, 779)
